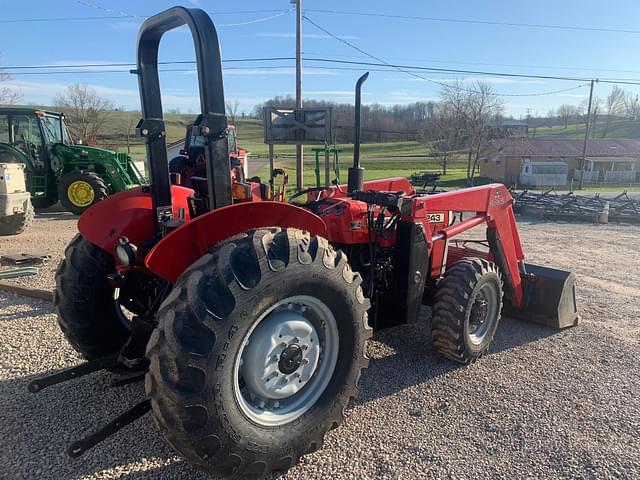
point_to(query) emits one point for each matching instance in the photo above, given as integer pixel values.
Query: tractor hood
(85, 149)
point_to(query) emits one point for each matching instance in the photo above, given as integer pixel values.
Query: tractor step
(76, 449)
(73, 372)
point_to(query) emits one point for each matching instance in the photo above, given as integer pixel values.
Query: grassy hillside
(250, 136)
(617, 129)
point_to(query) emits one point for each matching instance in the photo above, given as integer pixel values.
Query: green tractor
(76, 175)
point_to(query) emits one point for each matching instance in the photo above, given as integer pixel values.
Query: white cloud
(403, 96)
(45, 92)
(572, 95)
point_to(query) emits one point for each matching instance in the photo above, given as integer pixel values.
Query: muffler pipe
(356, 173)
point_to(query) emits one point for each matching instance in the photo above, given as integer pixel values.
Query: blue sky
(409, 41)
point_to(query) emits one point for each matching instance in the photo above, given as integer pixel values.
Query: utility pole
(586, 137)
(299, 148)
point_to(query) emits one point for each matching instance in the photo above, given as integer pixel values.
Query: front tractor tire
(466, 310)
(259, 348)
(18, 222)
(84, 301)
(79, 190)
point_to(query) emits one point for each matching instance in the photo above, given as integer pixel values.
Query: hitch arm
(81, 446)
(74, 372)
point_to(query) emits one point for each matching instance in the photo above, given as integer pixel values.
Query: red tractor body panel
(128, 213)
(182, 247)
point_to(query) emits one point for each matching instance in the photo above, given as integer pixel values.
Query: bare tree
(445, 135)
(85, 111)
(632, 106)
(232, 109)
(614, 105)
(473, 108)
(566, 112)
(8, 96)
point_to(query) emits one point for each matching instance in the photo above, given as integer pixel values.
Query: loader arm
(492, 205)
(535, 293)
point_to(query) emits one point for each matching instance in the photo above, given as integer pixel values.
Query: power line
(386, 66)
(460, 62)
(257, 20)
(442, 84)
(124, 14)
(402, 68)
(121, 17)
(172, 62)
(104, 9)
(478, 22)
(75, 72)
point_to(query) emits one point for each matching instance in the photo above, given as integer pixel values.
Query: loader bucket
(549, 297)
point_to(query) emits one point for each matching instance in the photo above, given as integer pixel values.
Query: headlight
(126, 252)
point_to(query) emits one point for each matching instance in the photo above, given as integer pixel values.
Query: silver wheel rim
(286, 360)
(485, 301)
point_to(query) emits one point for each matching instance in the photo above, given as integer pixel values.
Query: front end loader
(247, 316)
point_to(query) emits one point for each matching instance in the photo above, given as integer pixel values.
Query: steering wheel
(317, 190)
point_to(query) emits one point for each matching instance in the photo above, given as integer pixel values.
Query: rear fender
(182, 247)
(128, 213)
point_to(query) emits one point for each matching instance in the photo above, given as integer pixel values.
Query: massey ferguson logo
(497, 199)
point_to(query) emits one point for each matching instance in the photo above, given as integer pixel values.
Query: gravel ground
(543, 404)
(49, 234)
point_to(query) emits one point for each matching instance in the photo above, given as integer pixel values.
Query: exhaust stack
(355, 179)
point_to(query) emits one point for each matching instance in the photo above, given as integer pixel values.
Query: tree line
(618, 104)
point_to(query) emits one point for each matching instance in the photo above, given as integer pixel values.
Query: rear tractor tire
(84, 301)
(17, 223)
(259, 348)
(466, 310)
(79, 190)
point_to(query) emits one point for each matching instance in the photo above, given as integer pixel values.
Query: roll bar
(211, 123)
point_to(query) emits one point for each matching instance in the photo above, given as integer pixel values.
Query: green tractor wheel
(78, 190)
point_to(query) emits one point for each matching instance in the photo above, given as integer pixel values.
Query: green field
(376, 169)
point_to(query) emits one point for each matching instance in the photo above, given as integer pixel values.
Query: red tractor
(248, 317)
(192, 163)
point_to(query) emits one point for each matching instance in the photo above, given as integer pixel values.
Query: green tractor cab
(76, 175)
